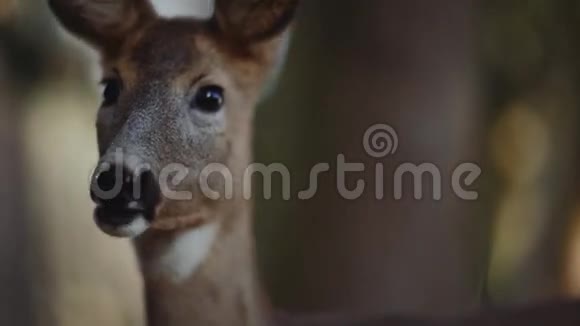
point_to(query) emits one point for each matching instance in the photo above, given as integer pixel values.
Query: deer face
(178, 95)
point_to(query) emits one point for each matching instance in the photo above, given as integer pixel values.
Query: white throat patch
(186, 253)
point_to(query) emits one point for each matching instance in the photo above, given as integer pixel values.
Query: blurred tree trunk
(15, 296)
(408, 64)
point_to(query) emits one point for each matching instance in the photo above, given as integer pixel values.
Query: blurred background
(490, 82)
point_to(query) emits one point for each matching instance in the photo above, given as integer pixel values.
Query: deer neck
(203, 276)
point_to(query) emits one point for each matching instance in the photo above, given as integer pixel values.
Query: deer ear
(102, 23)
(253, 20)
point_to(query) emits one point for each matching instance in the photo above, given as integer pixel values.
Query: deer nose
(122, 194)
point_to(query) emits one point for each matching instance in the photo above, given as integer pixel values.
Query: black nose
(120, 191)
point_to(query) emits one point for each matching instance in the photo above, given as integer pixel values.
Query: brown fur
(161, 62)
(253, 20)
(224, 291)
(114, 20)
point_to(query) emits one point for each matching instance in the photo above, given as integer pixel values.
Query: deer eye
(209, 99)
(112, 91)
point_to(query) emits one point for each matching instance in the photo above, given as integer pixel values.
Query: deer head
(177, 92)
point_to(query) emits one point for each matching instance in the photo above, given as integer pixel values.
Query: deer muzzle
(126, 196)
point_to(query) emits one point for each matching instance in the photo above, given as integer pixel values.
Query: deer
(184, 91)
